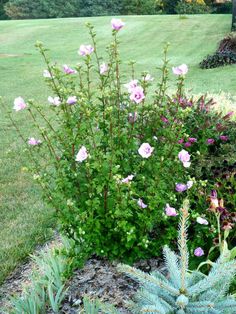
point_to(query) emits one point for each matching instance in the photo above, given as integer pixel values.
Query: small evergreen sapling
(184, 291)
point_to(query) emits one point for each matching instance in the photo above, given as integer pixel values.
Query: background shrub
(17, 9)
(100, 7)
(193, 7)
(223, 8)
(140, 7)
(168, 6)
(26, 9)
(3, 15)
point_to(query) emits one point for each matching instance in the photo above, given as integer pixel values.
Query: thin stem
(118, 87)
(47, 140)
(219, 231)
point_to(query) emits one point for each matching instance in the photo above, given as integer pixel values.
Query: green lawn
(24, 219)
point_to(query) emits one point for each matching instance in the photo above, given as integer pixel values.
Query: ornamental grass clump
(112, 156)
(183, 291)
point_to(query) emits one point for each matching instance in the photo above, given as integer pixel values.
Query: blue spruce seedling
(184, 292)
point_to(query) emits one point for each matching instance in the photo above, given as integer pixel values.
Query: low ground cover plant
(115, 159)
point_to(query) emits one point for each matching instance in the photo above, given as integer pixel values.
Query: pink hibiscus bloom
(117, 24)
(71, 100)
(198, 252)
(131, 85)
(47, 74)
(202, 221)
(85, 50)
(103, 68)
(137, 95)
(68, 70)
(170, 211)
(82, 154)
(127, 179)
(184, 157)
(145, 150)
(141, 203)
(55, 101)
(19, 104)
(180, 70)
(32, 141)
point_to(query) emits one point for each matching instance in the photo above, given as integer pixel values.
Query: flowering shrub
(115, 160)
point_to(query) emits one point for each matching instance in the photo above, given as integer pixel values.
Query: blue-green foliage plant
(183, 291)
(47, 289)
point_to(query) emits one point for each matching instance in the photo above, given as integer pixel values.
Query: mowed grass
(24, 219)
(142, 40)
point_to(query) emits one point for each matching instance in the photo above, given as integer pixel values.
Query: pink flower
(198, 252)
(117, 24)
(192, 140)
(180, 187)
(68, 70)
(32, 141)
(210, 141)
(19, 104)
(103, 68)
(82, 154)
(47, 74)
(224, 138)
(127, 179)
(180, 70)
(202, 221)
(187, 144)
(145, 150)
(132, 117)
(137, 95)
(131, 85)
(180, 141)
(184, 157)
(148, 78)
(170, 211)
(54, 101)
(141, 203)
(85, 50)
(71, 100)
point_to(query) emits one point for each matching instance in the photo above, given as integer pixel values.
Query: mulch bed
(100, 279)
